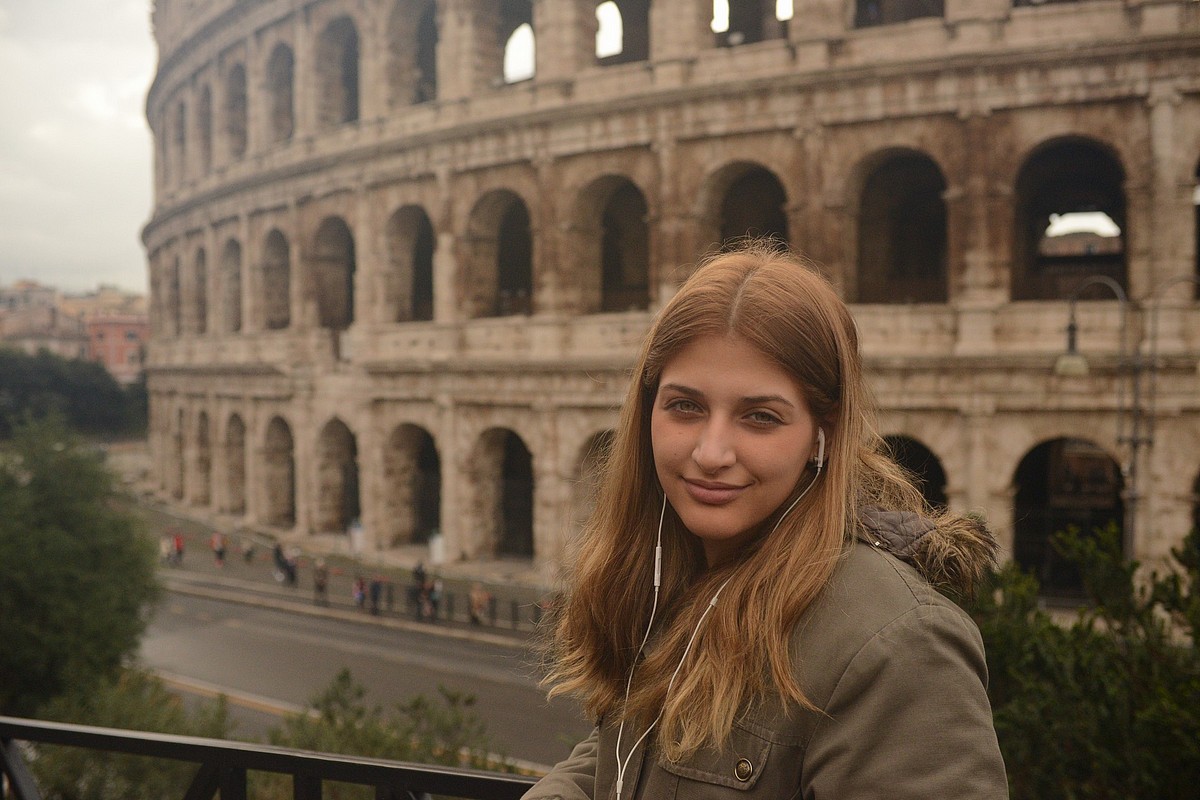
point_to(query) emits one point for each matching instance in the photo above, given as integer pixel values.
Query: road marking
(254, 702)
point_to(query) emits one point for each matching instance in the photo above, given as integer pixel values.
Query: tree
(83, 392)
(1109, 706)
(76, 570)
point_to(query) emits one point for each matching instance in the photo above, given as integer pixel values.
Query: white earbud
(819, 459)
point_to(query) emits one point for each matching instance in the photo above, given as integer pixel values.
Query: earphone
(818, 461)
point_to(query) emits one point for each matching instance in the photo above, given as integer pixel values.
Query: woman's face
(731, 434)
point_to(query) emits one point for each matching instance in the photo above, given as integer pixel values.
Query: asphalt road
(270, 661)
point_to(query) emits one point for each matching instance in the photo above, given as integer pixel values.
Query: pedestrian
(753, 609)
(178, 542)
(217, 542)
(165, 549)
(416, 591)
(478, 601)
(320, 583)
(359, 591)
(376, 590)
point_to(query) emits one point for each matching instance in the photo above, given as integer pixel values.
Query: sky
(75, 150)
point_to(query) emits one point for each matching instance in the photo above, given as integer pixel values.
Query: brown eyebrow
(757, 399)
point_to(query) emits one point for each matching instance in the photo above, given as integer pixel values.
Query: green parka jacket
(896, 669)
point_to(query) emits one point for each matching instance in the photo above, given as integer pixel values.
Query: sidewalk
(249, 575)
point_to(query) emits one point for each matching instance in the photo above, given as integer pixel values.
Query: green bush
(134, 701)
(1107, 706)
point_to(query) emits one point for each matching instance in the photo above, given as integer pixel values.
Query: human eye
(763, 418)
(683, 406)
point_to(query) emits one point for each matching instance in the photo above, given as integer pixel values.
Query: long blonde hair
(784, 308)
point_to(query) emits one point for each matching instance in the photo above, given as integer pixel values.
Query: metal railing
(222, 766)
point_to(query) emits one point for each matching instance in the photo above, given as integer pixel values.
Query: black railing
(222, 765)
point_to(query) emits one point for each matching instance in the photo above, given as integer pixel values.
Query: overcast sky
(75, 152)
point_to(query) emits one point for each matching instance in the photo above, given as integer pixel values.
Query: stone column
(304, 67)
(679, 31)
(1171, 236)
(446, 308)
(566, 37)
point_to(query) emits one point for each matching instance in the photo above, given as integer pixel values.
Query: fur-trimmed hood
(953, 552)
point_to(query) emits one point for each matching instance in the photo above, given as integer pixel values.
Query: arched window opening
(1070, 211)
(181, 140)
(174, 298)
(411, 245)
(754, 205)
(514, 262)
(625, 251)
(236, 114)
(202, 492)
(588, 472)
(902, 223)
(231, 285)
(177, 476)
(333, 274)
(337, 476)
(337, 73)
(610, 31)
(516, 499)
(922, 466)
(276, 282)
(738, 22)
(413, 475)
(868, 13)
(279, 474)
(235, 466)
(200, 293)
(281, 80)
(1061, 484)
(204, 128)
(623, 31)
(520, 54)
(1196, 234)
(412, 53)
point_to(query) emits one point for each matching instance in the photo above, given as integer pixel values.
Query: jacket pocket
(740, 765)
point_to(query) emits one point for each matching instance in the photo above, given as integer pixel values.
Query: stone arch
(623, 31)
(181, 140)
(176, 466)
(586, 484)
(200, 292)
(279, 474)
(746, 199)
(337, 478)
(235, 465)
(1058, 484)
(515, 29)
(413, 479)
(332, 274)
(276, 281)
(337, 62)
(868, 13)
(410, 245)
(281, 93)
(231, 286)
(204, 127)
(612, 225)
(738, 22)
(202, 494)
(236, 112)
(1081, 179)
(502, 479)
(923, 466)
(500, 258)
(902, 231)
(175, 298)
(412, 53)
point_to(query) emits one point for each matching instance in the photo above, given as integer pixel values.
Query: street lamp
(1139, 417)
(1072, 363)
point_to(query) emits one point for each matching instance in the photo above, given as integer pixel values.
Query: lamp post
(1072, 363)
(1135, 421)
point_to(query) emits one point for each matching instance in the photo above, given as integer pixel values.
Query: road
(271, 661)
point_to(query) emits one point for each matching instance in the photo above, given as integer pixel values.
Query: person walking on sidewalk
(320, 583)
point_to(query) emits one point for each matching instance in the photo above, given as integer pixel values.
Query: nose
(714, 448)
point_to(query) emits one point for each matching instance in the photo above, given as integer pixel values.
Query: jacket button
(743, 769)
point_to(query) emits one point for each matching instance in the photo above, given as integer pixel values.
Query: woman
(753, 608)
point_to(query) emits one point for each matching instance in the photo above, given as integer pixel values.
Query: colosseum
(401, 252)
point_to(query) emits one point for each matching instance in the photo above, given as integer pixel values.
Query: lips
(712, 493)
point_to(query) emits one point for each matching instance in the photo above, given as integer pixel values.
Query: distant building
(118, 341)
(39, 328)
(105, 301)
(24, 295)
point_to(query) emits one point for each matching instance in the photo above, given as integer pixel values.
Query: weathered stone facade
(389, 282)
